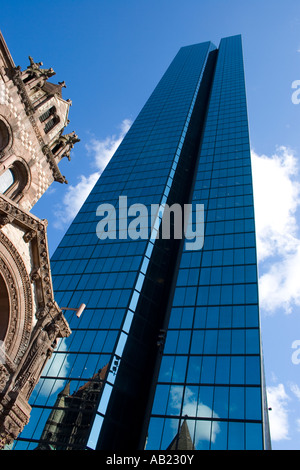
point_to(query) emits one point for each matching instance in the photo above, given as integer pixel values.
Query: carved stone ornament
(4, 376)
(35, 235)
(17, 79)
(35, 69)
(65, 143)
(5, 219)
(34, 326)
(15, 415)
(40, 351)
(18, 284)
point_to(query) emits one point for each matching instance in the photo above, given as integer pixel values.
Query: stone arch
(4, 308)
(17, 322)
(5, 134)
(22, 179)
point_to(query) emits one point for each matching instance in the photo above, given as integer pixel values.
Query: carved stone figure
(64, 144)
(35, 69)
(38, 354)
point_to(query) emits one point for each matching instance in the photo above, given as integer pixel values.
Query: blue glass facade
(211, 366)
(189, 144)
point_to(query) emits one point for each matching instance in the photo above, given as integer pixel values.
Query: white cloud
(199, 430)
(104, 149)
(295, 389)
(75, 196)
(280, 286)
(278, 400)
(57, 367)
(277, 199)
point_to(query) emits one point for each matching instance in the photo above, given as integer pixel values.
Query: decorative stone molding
(64, 144)
(53, 165)
(5, 219)
(35, 234)
(17, 79)
(34, 325)
(17, 281)
(35, 70)
(15, 412)
(4, 376)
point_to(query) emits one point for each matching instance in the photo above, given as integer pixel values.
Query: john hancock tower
(170, 336)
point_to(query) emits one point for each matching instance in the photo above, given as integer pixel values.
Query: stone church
(33, 118)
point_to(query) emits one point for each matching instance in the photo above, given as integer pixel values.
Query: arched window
(4, 135)
(14, 180)
(7, 179)
(50, 118)
(51, 123)
(47, 114)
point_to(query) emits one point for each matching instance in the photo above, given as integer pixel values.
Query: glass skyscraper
(171, 326)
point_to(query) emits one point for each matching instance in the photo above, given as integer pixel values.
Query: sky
(111, 54)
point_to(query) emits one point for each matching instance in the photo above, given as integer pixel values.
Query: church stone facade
(33, 118)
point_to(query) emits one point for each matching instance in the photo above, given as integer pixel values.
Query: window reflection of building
(68, 425)
(182, 440)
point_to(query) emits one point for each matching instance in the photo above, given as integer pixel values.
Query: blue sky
(111, 54)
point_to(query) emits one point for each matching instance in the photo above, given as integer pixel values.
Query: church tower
(33, 117)
(67, 427)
